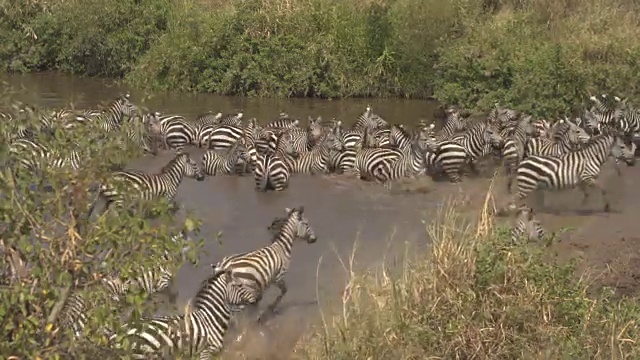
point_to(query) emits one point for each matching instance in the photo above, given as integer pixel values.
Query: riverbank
(473, 295)
(541, 56)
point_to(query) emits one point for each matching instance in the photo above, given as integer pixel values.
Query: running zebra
(261, 268)
(526, 227)
(149, 186)
(176, 131)
(579, 168)
(198, 332)
(272, 171)
(368, 160)
(412, 162)
(34, 156)
(215, 163)
(315, 161)
(478, 141)
(566, 136)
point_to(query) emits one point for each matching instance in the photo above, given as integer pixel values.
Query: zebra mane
(174, 161)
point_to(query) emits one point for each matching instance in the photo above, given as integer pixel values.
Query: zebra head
(125, 105)
(299, 225)
(315, 127)
(492, 136)
(333, 142)
(152, 123)
(285, 145)
(624, 150)
(575, 134)
(191, 168)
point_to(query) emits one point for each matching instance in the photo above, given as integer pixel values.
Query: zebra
(231, 119)
(367, 160)
(148, 280)
(283, 122)
(112, 116)
(526, 227)
(73, 314)
(261, 268)
(543, 127)
(453, 124)
(34, 156)
(214, 163)
(218, 136)
(266, 142)
(369, 120)
(176, 131)
(412, 162)
(514, 146)
(198, 332)
(578, 168)
(303, 140)
(500, 117)
(315, 161)
(342, 161)
(207, 119)
(149, 186)
(448, 157)
(566, 137)
(478, 142)
(272, 171)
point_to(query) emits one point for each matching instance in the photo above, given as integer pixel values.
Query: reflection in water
(340, 212)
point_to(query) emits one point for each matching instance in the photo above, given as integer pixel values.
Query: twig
(57, 307)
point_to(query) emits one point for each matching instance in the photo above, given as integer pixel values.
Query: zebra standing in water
(207, 119)
(566, 137)
(272, 171)
(369, 120)
(113, 115)
(514, 146)
(199, 332)
(175, 130)
(526, 227)
(412, 161)
(214, 163)
(453, 124)
(259, 269)
(315, 161)
(579, 168)
(149, 186)
(478, 142)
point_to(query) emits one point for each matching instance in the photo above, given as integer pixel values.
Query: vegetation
(472, 295)
(542, 56)
(44, 222)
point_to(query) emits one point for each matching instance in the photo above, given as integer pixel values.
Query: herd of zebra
(535, 154)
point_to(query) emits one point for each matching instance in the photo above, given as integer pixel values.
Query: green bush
(474, 295)
(540, 56)
(44, 220)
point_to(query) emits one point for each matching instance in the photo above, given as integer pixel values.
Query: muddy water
(341, 211)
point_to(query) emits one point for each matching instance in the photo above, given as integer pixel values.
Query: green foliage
(541, 56)
(476, 297)
(43, 216)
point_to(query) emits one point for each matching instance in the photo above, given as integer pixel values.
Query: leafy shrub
(44, 220)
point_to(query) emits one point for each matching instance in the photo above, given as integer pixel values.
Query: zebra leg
(282, 285)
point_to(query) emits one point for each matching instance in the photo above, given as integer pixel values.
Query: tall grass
(541, 56)
(472, 295)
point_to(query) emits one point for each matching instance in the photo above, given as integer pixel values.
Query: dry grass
(473, 296)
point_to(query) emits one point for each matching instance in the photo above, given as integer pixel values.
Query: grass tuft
(474, 295)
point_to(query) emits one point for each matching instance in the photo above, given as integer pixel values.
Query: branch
(57, 307)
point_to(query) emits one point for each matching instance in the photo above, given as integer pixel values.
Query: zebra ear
(301, 210)
(288, 210)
